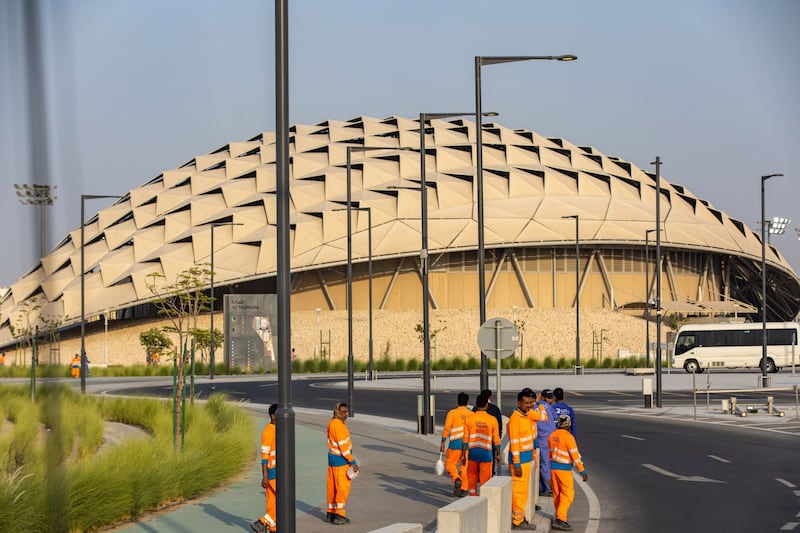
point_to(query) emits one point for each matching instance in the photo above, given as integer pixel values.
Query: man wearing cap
(545, 427)
(521, 457)
(340, 459)
(562, 408)
(454, 426)
(564, 455)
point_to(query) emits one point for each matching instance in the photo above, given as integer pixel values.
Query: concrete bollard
(647, 392)
(399, 528)
(498, 493)
(465, 515)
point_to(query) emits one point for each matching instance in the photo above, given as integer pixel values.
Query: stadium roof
(530, 183)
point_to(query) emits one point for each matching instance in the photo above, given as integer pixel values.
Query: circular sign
(498, 337)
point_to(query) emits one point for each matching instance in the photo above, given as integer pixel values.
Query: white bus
(701, 346)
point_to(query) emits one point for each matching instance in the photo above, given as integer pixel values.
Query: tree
(155, 342)
(181, 302)
(202, 340)
(23, 330)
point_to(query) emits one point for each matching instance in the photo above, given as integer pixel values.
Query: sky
(135, 87)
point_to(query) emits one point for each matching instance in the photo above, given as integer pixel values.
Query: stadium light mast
(764, 378)
(43, 196)
(479, 62)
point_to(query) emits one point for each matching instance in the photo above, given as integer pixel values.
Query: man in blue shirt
(563, 409)
(545, 427)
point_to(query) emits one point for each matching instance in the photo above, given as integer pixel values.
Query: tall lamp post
(578, 368)
(764, 378)
(647, 294)
(350, 150)
(370, 368)
(211, 355)
(41, 195)
(479, 62)
(85, 197)
(659, 311)
(428, 424)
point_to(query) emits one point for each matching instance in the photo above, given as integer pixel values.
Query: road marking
(720, 459)
(797, 493)
(631, 437)
(787, 483)
(618, 393)
(790, 526)
(594, 504)
(679, 477)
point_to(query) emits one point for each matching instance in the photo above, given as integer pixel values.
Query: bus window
(685, 342)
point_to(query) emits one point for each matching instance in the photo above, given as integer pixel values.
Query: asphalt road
(649, 473)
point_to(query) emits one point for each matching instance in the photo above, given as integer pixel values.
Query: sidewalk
(397, 483)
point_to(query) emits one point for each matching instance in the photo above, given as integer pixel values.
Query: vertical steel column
(284, 417)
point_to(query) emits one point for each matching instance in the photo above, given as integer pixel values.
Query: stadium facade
(711, 263)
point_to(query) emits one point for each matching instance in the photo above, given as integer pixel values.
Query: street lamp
(659, 311)
(578, 368)
(211, 355)
(85, 197)
(479, 62)
(350, 150)
(370, 368)
(764, 379)
(41, 195)
(647, 294)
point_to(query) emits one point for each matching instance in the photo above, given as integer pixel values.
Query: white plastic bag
(351, 473)
(439, 468)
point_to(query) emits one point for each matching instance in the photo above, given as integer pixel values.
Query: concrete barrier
(399, 528)
(466, 515)
(498, 493)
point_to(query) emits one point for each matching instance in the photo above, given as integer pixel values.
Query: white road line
(631, 437)
(790, 526)
(594, 504)
(720, 459)
(797, 493)
(787, 483)
(618, 393)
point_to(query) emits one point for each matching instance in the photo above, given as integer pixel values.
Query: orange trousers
(478, 472)
(272, 505)
(563, 491)
(520, 488)
(338, 489)
(452, 464)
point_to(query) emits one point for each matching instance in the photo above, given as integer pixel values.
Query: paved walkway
(397, 483)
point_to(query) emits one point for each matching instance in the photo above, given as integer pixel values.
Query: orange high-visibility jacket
(454, 426)
(268, 455)
(340, 449)
(520, 438)
(482, 437)
(536, 415)
(564, 451)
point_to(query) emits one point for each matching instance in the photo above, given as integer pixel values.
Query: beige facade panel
(529, 182)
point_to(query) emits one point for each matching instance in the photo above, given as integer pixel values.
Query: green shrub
(473, 362)
(549, 362)
(414, 364)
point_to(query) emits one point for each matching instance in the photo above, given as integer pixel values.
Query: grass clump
(55, 476)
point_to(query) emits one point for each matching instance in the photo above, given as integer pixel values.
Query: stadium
(711, 263)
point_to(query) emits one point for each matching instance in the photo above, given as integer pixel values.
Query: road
(651, 473)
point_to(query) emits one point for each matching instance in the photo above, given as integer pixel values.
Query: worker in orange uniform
(340, 461)
(454, 426)
(481, 447)
(268, 474)
(75, 366)
(564, 455)
(521, 457)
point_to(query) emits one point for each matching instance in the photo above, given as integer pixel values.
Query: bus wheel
(692, 366)
(770, 366)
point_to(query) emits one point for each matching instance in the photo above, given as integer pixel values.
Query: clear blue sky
(136, 87)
